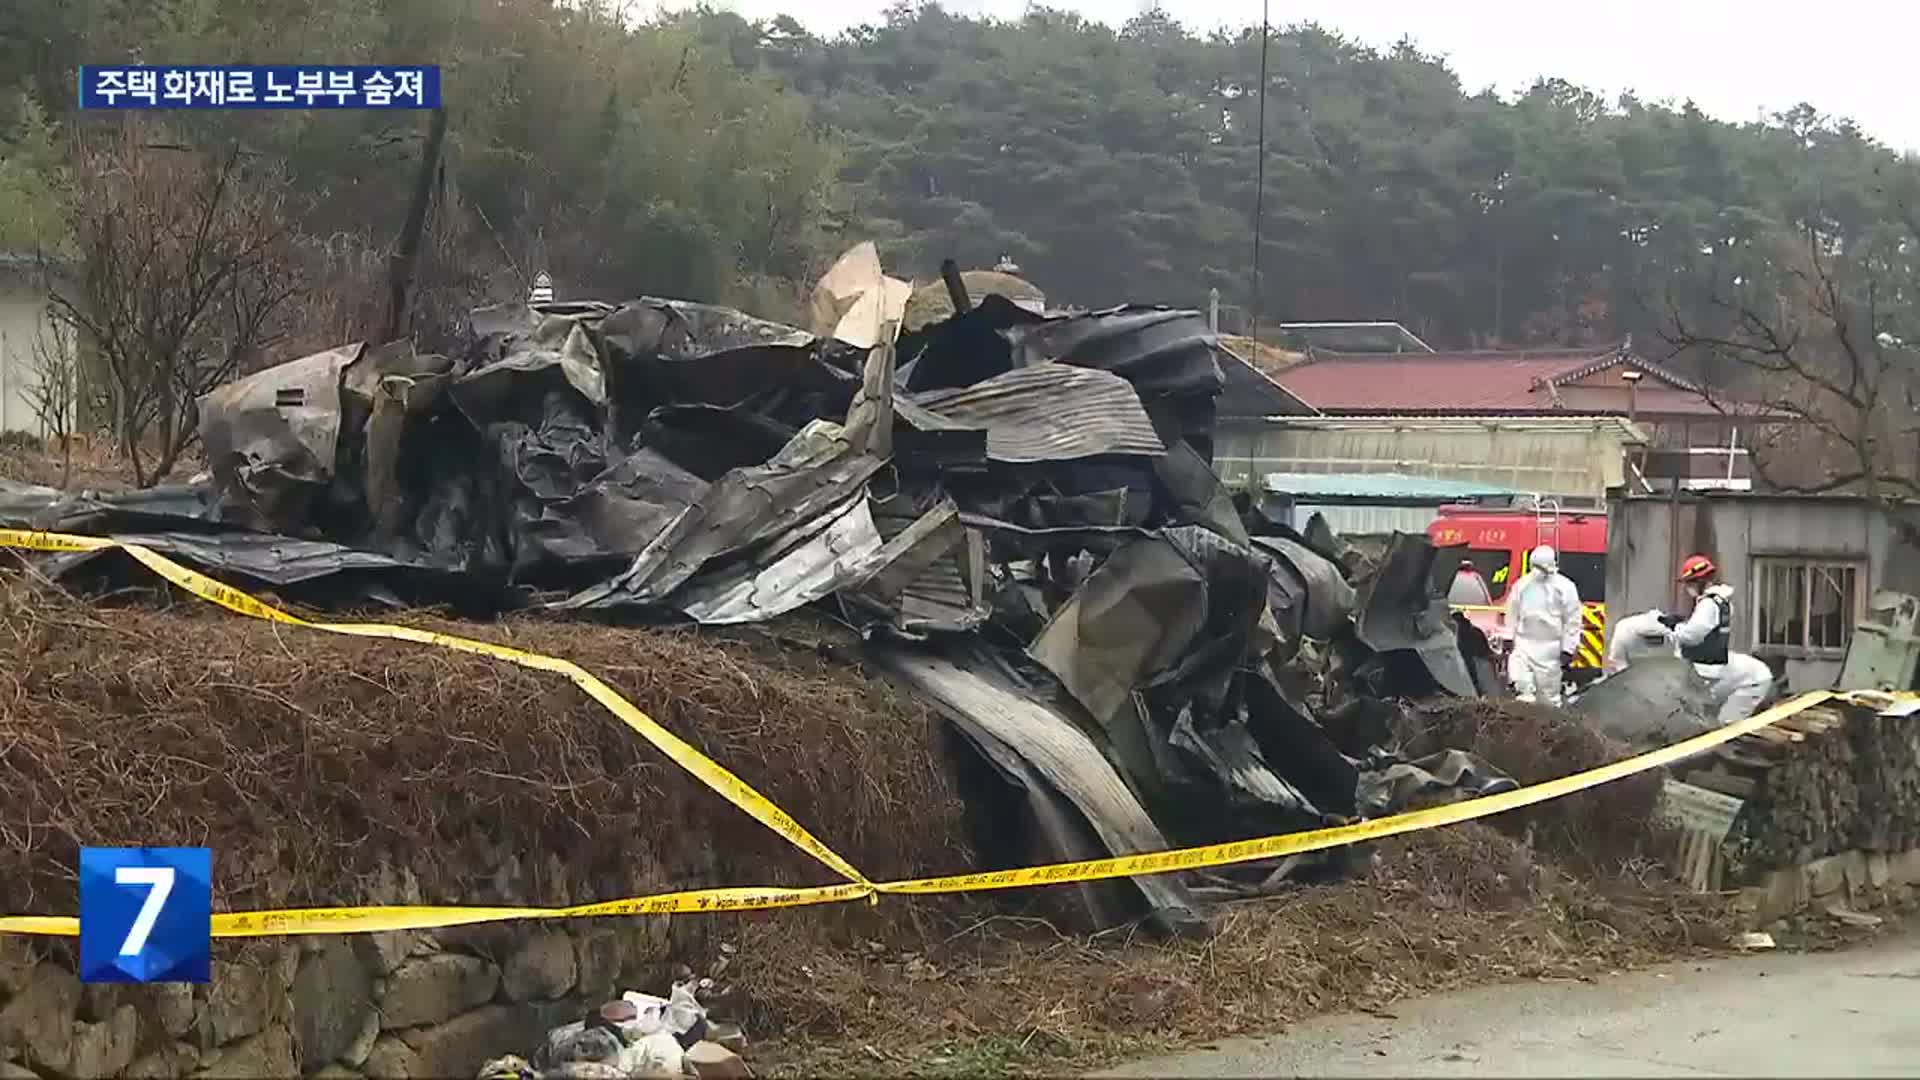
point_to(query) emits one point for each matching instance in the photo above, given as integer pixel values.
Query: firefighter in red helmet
(1740, 682)
(1699, 570)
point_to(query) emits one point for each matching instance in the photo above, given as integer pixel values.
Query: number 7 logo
(146, 914)
(160, 880)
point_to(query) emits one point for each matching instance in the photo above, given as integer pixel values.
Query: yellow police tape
(421, 917)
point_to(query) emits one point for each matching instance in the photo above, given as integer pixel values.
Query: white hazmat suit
(1638, 637)
(1744, 681)
(1543, 615)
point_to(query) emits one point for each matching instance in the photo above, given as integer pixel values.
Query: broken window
(1805, 604)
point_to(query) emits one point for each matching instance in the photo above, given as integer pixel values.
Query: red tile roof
(1491, 381)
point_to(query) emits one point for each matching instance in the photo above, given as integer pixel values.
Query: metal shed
(1803, 568)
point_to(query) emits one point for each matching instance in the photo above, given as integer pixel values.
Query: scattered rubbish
(636, 1035)
(510, 1067)
(1753, 941)
(1016, 509)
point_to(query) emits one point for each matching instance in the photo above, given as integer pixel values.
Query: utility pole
(400, 265)
(1259, 178)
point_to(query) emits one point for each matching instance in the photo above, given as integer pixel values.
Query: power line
(1260, 178)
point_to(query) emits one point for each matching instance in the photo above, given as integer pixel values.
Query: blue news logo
(281, 86)
(146, 914)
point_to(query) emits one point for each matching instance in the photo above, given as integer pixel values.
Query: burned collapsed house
(1015, 511)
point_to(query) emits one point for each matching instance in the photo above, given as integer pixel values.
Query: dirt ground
(998, 995)
(1785, 1012)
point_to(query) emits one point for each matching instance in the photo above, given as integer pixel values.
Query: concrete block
(1780, 894)
(1904, 867)
(1853, 866)
(1879, 870)
(1825, 877)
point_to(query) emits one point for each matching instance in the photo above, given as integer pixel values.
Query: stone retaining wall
(1857, 880)
(400, 1004)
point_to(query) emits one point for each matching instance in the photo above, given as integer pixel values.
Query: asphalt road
(1849, 1013)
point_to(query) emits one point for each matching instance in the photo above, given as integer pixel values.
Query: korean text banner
(250, 86)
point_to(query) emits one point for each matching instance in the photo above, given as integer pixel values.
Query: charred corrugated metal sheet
(1162, 351)
(279, 560)
(933, 573)
(168, 506)
(946, 597)
(1168, 355)
(1247, 391)
(1060, 768)
(1050, 412)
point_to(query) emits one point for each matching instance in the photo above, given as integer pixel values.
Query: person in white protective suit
(1740, 682)
(1638, 637)
(1543, 614)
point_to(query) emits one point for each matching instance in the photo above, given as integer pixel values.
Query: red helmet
(1697, 568)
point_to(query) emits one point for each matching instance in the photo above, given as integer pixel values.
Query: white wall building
(25, 325)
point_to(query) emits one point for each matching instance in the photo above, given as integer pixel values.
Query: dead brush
(305, 759)
(1598, 830)
(1438, 909)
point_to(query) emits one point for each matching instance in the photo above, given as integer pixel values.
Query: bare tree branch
(1830, 368)
(54, 395)
(189, 263)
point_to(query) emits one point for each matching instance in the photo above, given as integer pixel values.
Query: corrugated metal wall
(1570, 461)
(1368, 520)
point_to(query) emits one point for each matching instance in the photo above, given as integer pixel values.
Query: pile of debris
(1017, 512)
(636, 1036)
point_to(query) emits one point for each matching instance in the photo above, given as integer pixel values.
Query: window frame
(1762, 569)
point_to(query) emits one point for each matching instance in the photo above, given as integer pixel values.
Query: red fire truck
(1498, 542)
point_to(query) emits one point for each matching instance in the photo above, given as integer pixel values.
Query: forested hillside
(1120, 164)
(708, 157)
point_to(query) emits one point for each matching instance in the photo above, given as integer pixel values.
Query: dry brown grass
(307, 759)
(95, 464)
(1436, 910)
(1595, 831)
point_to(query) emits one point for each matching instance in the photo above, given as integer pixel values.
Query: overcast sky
(1735, 60)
